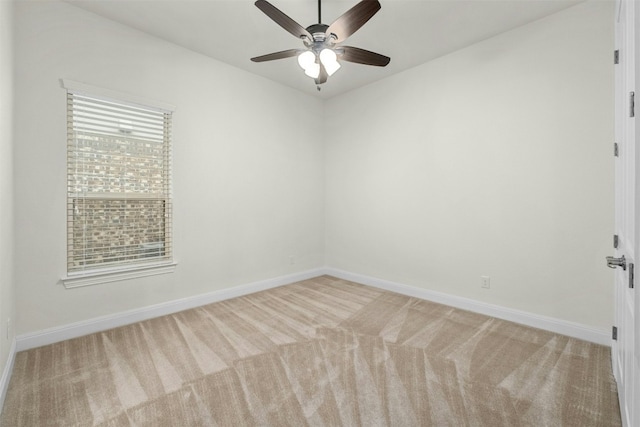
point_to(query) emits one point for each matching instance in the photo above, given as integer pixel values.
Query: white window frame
(115, 273)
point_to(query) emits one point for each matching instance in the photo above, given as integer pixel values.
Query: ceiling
(411, 32)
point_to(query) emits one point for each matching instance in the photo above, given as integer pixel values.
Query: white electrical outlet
(292, 259)
(8, 327)
(485, 282)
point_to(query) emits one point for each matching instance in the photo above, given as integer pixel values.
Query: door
(625, 350)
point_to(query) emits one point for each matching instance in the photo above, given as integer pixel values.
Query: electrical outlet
(485, 282)
(8, 327)
(292, 259)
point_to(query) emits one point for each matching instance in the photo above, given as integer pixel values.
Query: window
(118, 185)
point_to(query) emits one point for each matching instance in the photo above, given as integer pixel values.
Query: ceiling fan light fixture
(330, 61)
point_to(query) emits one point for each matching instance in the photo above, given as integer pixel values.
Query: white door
(625, 350)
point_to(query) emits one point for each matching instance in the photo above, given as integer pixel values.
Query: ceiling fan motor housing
(320, 36)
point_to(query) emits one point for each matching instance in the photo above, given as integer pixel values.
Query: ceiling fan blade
(283, 20)
(276, 55)
(353, 19)
(322, 77)
(361, 56)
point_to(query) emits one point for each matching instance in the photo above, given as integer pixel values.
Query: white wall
(494, 160)
(6, 179)
(246, 187)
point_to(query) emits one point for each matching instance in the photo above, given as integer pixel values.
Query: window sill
(97, 277)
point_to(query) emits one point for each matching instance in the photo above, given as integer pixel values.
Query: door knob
(617, 262)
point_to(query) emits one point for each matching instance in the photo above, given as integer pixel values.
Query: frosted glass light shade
(330, 61)
(306, 59)
(313, 70)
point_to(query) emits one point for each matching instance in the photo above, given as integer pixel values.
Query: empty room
(323, 213)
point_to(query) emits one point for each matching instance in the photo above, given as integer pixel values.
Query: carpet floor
(322, 352)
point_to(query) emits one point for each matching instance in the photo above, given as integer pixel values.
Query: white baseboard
(6, 373)
(78, 329)
(572, 329)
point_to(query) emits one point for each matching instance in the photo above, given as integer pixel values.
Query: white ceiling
(411, 32)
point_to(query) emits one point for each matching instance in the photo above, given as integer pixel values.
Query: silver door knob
(617, 262)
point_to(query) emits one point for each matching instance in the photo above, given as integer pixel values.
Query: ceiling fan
(319, 58)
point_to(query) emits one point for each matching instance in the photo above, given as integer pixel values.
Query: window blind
(119, 209)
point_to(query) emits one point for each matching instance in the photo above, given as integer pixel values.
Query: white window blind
(119, 210)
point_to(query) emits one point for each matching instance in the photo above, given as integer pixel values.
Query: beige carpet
(323, 352)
